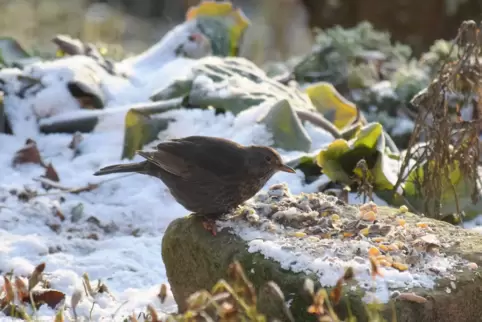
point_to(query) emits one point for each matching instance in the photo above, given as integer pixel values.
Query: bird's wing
(197, 155)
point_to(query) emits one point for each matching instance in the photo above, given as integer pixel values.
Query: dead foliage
(451, 142)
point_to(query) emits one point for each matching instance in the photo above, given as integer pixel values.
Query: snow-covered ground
(113, 232)
(116, 237)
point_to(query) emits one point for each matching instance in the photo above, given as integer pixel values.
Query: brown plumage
(208, 176)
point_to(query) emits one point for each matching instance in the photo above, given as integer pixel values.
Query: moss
(194, 260)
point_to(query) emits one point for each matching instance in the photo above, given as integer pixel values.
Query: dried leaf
(28, 154)
(59, 214)
(50, 174)
(8, 288)
(87, 286)
(163, 293)
(374, 267)
(36, 276)
(59, 317)
(153, 314)
(132, 318)
(335, 294)
(50, 297)
(75, 299)
(349, 274)
(22, 290)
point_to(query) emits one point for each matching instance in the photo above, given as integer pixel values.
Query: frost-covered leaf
(341, 157)
(286, 128)
(331, 104)
(180, 88)
(140, 129)
(236, 84)
(11, 51)
(338, 50)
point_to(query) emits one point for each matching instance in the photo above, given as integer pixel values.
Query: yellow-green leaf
(140, 129)
(339, 159)
(329, 102)
(235, 20)
(456, 183)
(328, 159)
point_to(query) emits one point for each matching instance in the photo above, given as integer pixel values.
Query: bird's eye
(267, 158)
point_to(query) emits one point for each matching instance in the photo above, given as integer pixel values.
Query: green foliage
(336, 49)
(286, 128)
(340, 159)
(140, 129)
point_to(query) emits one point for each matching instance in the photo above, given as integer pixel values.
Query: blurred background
(283, 28)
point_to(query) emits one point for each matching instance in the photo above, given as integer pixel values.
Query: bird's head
(266, 161)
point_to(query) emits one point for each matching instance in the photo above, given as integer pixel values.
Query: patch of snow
(117, 237)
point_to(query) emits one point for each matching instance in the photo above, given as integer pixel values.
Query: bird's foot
(210, 225)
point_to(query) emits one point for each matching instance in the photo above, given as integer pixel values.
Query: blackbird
(209, 176)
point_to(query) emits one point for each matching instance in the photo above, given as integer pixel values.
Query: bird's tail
(139, 167)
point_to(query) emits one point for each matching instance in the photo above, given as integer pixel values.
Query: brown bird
(209, 176)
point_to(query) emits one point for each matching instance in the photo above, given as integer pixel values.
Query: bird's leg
(209, 224)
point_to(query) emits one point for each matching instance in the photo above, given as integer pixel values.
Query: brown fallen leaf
(50, 297)
(412, 297)
(51, 174)
(28, 154)
(59, 214)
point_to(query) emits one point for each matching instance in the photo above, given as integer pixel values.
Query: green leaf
(140, 129)
(11, 51)
(285, 126)
(328, 159)
(339, 159)
(456, 183)
(222, 23)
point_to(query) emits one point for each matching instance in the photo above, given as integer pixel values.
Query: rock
(195, 260)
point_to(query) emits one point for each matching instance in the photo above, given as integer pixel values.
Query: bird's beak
(286, 168)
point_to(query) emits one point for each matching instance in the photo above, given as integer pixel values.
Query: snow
(113, 233)
(117, 236)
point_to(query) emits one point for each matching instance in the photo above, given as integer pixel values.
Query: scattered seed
(373, 251)
(401, 267)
